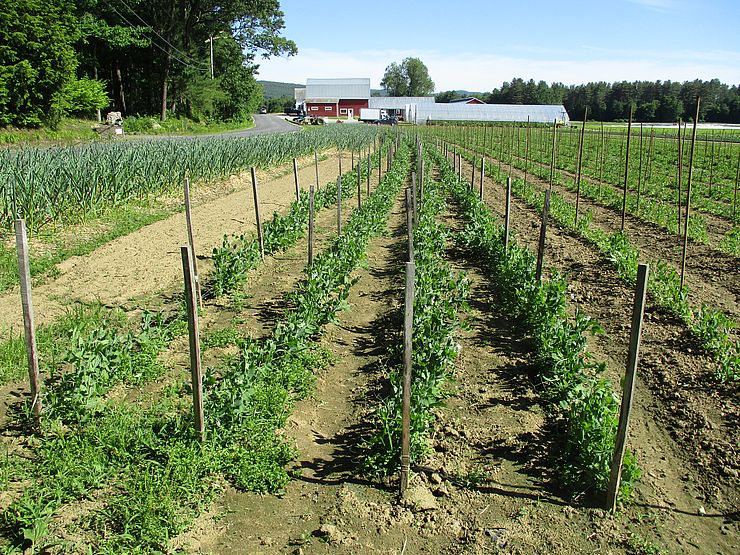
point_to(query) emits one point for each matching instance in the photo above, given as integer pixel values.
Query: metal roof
(337, 88)
(397, 102)
(535, 113)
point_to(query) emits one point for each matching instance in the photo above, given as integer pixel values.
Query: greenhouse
(533, 113)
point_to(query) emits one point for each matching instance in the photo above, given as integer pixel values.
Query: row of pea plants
(579, 396)
(714, 329)
(68, 184)
(440, 297)
(143, 460)
(240, 253)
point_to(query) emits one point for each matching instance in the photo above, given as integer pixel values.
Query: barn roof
(337, 89)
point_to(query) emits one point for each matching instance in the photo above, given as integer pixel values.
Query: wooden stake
(257, 216)
(507, 214)
(316, 163)
(580, 162)
(339, 205)
(410, 225)
(413, 199)
(191, 242)
(543, 232)
(368, 173)
(407, 358)
(639, 173)
(679, 204)
(688, 196)
(472, 175)
(310, 224)
(626, 169)
(737, 179)
(482, 174)
(24, 272)
(196, 374)
(552, 157)
(629, 387)
(295, 177)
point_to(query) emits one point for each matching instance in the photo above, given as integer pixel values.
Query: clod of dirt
(330, 533)
(419, 498)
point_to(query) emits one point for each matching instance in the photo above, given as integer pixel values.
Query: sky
(477, 45)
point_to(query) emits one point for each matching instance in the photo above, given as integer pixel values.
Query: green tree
(409, 78)
(37, 59)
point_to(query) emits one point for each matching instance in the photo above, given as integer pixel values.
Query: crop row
(580, 398)
(67, 184)
(439, 296)
(710, 326)
(143, 463)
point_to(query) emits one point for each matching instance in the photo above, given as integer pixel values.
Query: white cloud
(482, 72)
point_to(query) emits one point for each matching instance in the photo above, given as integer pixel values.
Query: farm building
(344, 98)
(534, 113)
(335, 97)
(468, 100)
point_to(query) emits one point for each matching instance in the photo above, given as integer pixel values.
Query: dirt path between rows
(147, 262)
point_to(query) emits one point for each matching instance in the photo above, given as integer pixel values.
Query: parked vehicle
(388, 120)
(263, 110)
(289, 111)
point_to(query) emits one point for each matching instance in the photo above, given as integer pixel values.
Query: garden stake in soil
(414, 212)
(507, 214)
(629, 387)
(409, 226)
(472, 175)
(543, 232)
(359, 182)
(679, 204)
(258, 219)
(552, 158)
(688, 196)
(580, 161)
(196, 374)
(626, 168)
(191, 242)
(482, 174)
(408, 322)
(295, 177)
(310, 224)
(24, 272)
(316, 163)
(339, 205)
(368, 173)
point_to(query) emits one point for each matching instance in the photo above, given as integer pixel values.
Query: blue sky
(477, 45)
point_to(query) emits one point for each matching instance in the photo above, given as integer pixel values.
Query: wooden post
(410, 225)
(507, 215)
(413, 199)
(472, 174)
(407, 358)
(310, 224)
(552, 157)
(679, 204)
(257, 216)
(482, 174)
(528, 138)
(580, 162)
(24, 272)
(688, 196)
(295, 177)
(191, 242)
(639, 174)
(543, 232)
(316, 163)
(368, 173)
(339, 205)
(359, 181)
(196, 374)
(629, 387)
(626, 169)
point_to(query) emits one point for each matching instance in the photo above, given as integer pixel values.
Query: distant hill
(276, 89)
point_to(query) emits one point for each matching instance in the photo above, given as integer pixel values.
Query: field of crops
(516, 374)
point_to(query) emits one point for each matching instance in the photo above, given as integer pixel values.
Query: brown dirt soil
(147, 262)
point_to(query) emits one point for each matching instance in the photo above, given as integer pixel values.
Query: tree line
(190, 58)
(658, 101)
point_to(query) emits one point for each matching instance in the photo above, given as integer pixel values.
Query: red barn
(341, 98)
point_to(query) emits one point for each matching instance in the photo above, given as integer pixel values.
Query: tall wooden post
(410, 225)
(482, 174)
(552, 157)
(24, 272)
(408, 329)
(626, 169)
(191, 241)
(196, 374)
(543, 233)
(688, 195)
(629, 387)
(639, 174)
(257, 216)
(507, 215)
(368, 173)
(295, 178)
(580, 162)
(679, 204)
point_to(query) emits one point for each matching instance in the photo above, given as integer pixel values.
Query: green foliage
(81, 97)
(37, 60)
(409, 78)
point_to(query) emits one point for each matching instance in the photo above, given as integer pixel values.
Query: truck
(372, 115)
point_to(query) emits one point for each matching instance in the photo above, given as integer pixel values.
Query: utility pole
(210, 39)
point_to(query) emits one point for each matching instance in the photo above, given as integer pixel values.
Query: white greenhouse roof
(337, 88)
(398, 102)
(535, 113)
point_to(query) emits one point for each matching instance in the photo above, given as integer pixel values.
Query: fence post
(407, 358)
(191, 242)
(543, 232)
(629, 387)
(257, 216)
(24, 272)
(194, 339)
(688, 197)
